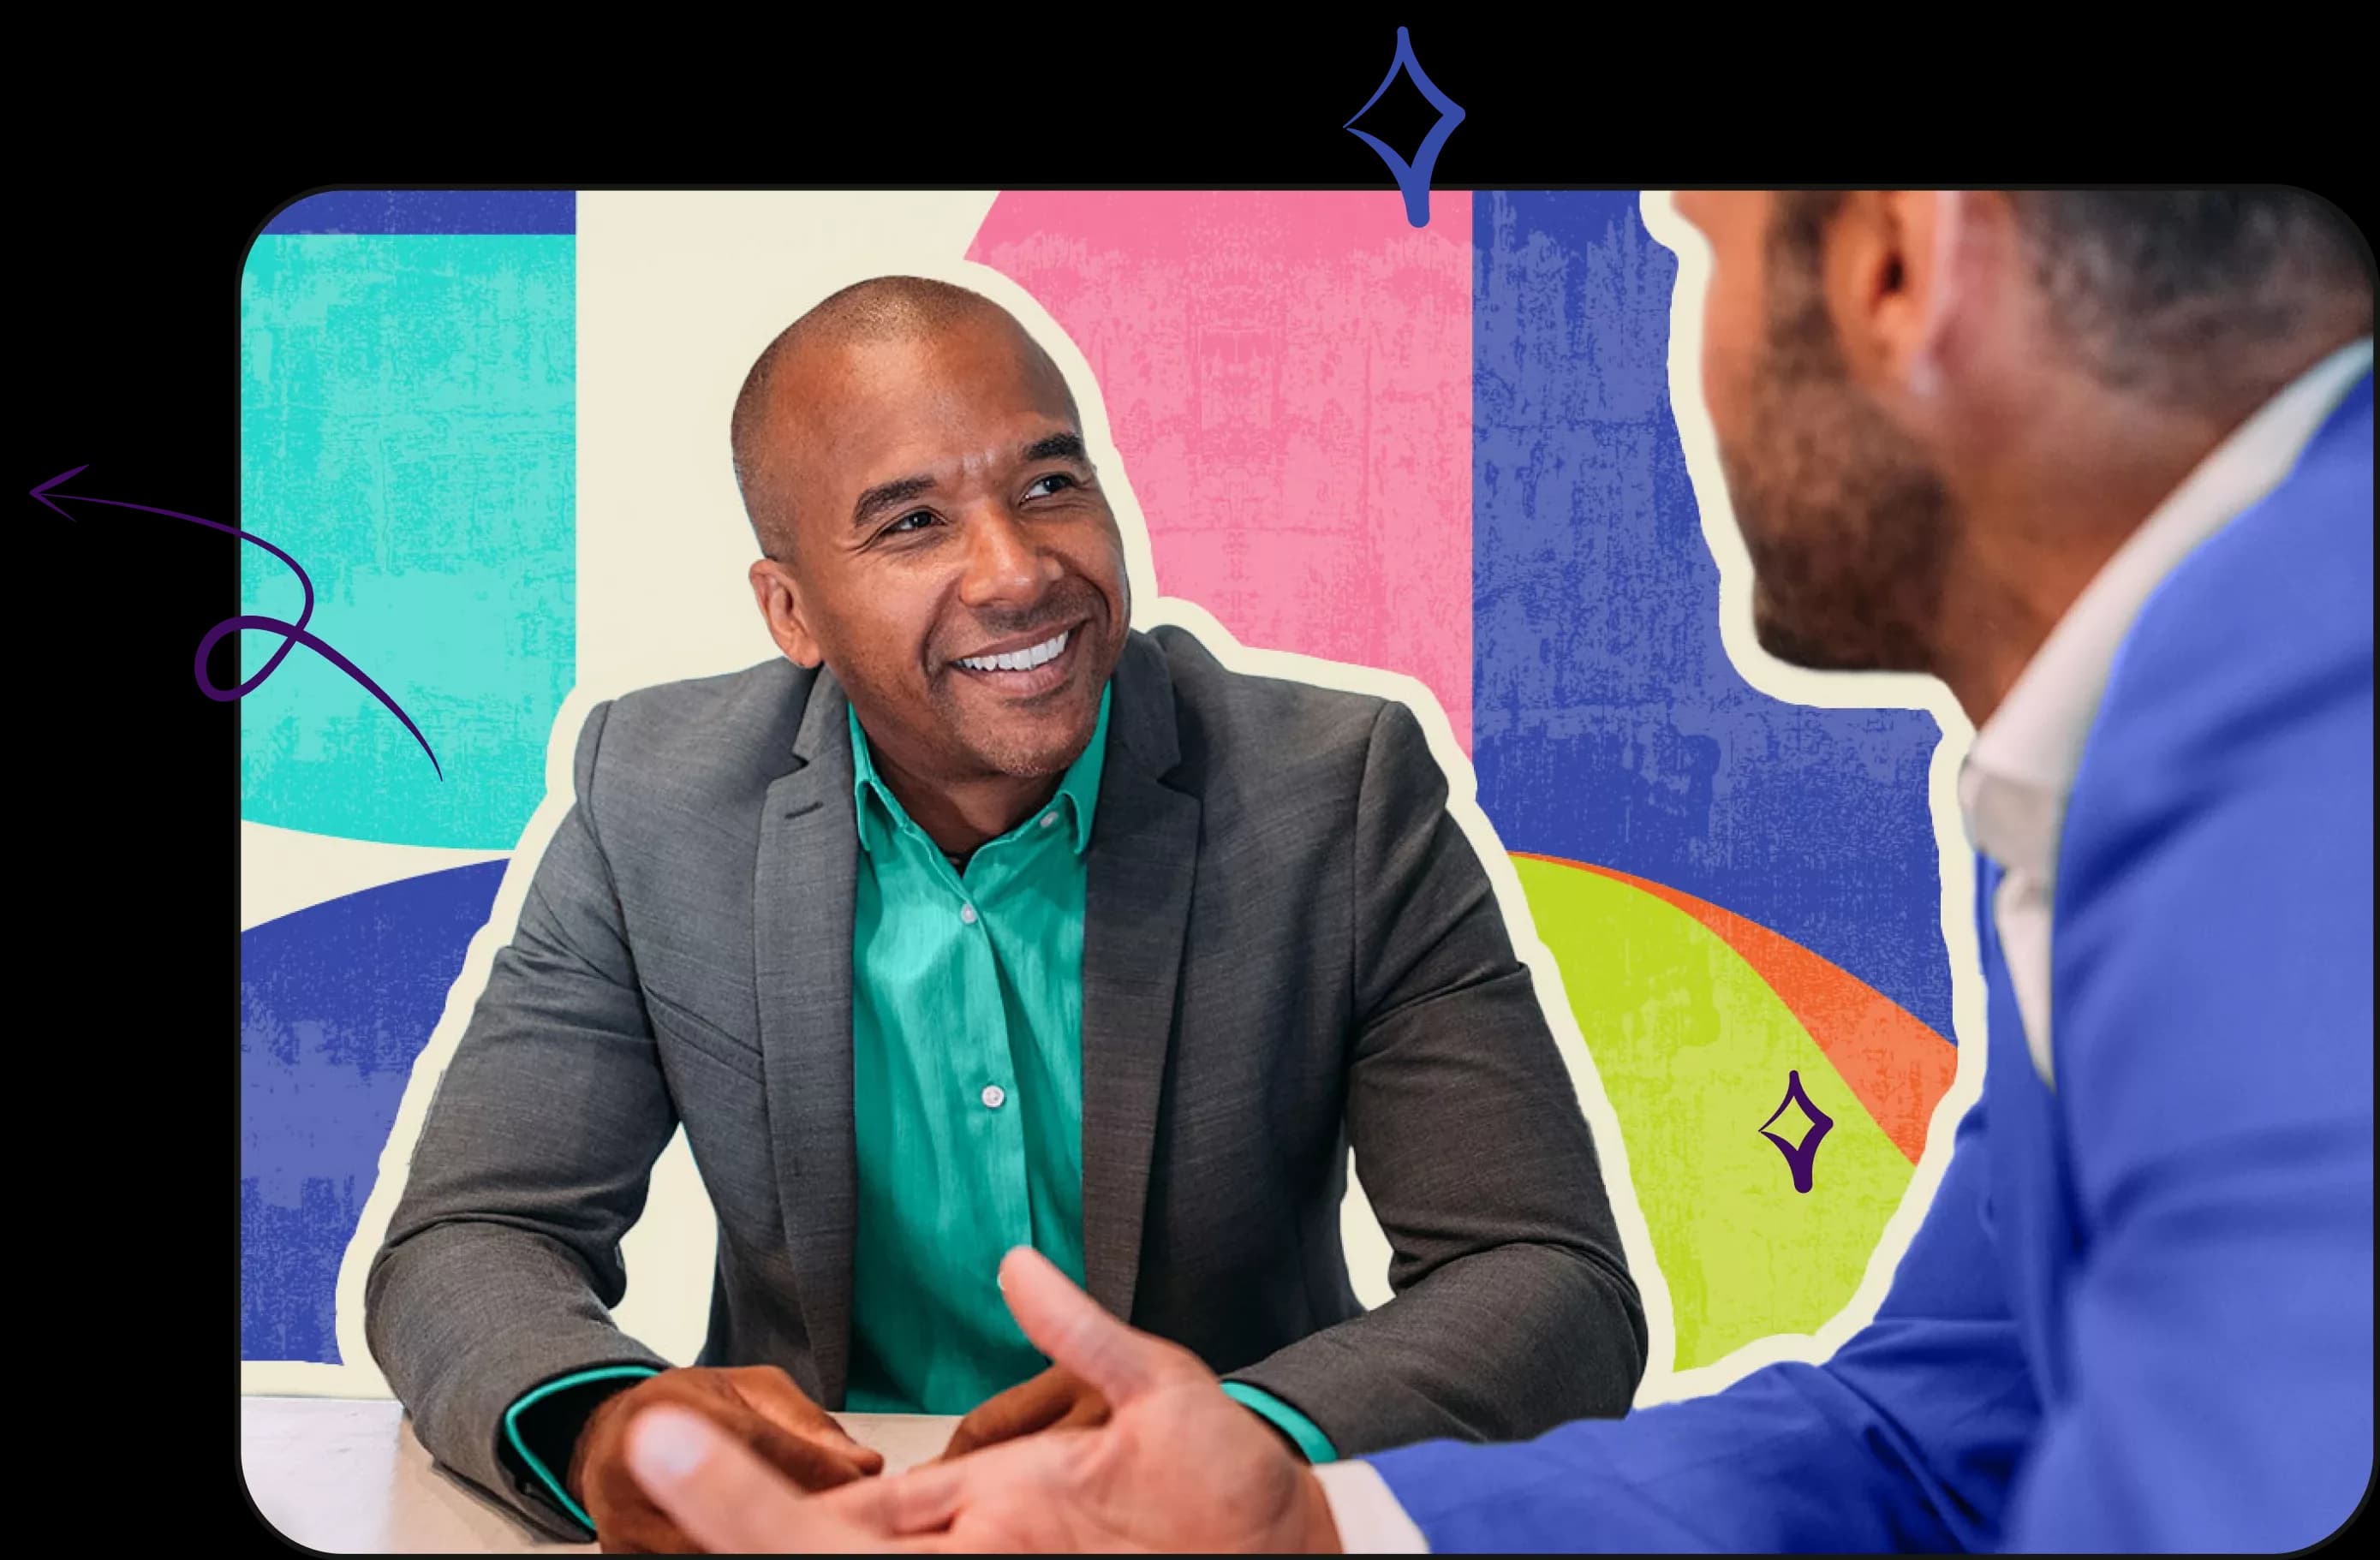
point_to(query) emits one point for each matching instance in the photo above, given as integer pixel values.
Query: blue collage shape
(429, 210)
(337, 1000)
(1608, 724)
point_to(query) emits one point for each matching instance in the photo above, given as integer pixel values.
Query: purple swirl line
(292, 634)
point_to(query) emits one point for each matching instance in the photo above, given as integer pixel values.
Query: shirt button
(1049, 820)
(966, 913)
(994, 1097)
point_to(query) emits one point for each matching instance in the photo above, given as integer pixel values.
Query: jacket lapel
(1140, 867)
(801, 926)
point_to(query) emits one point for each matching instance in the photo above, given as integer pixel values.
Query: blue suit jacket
(2138, 1314)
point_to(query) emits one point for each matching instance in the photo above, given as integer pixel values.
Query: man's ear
(1937, 222)
(779, 595)
(1892, 284)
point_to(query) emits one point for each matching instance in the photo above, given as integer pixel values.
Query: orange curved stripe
(1896, 1066)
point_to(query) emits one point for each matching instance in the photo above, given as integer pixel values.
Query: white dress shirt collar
(2014, 786)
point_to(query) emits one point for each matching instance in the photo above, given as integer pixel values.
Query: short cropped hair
(2154, 290)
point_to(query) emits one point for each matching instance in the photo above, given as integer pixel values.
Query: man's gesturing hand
(1177, 1466)
(754, 1407)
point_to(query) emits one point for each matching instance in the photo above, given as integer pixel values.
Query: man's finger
(772, 1392)
(808, 1461)
(1085, 1412)
(726, 1499)
(1020, 1410)
(1068, 1325)
(921, 1501)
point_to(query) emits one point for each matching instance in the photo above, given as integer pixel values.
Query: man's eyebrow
(885, 495)
(1058, 446)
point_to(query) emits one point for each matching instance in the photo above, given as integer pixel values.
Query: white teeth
(1019, 661)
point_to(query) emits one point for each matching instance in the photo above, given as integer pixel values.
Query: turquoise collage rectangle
(407, 433)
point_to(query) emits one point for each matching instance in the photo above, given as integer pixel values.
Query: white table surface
(346, 1477)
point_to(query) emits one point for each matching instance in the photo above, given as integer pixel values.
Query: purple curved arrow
(292, 634)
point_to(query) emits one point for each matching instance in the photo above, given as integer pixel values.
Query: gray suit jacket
(1288, 947)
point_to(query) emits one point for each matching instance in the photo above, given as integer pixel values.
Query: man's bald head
(912, 463)
(880, 309)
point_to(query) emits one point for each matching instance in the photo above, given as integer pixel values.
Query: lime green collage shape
(1694, 1050)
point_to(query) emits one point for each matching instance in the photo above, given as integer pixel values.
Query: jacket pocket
(700, 1035)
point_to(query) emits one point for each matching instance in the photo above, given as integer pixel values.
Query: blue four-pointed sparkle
(1413, 178)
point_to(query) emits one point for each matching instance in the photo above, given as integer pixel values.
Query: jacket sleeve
(2213, 1050)
(1908, 1439)
(1471, 1148)
(503, 1259)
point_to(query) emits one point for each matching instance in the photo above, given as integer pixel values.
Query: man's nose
(1005, 567)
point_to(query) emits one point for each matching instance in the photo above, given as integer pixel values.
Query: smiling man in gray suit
(982, 920)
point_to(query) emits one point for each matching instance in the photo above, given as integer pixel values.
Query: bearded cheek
(1724, 385)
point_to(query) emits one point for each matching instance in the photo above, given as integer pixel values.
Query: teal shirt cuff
(1296, 1426)
(551, 1480)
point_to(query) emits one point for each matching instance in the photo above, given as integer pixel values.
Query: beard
(1847, 524)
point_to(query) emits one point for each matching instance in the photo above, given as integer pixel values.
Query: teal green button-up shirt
(967, 1038)
(966, 1046)
(967, 1034)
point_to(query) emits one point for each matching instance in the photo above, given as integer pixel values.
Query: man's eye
(1061, 478)
(909, 522)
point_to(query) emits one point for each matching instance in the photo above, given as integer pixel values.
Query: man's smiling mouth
(1021, 661)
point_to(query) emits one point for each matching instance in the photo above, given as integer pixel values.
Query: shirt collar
(1079, 791)
(2013, 786)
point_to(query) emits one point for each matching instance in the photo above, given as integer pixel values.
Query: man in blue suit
(2102, 462)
